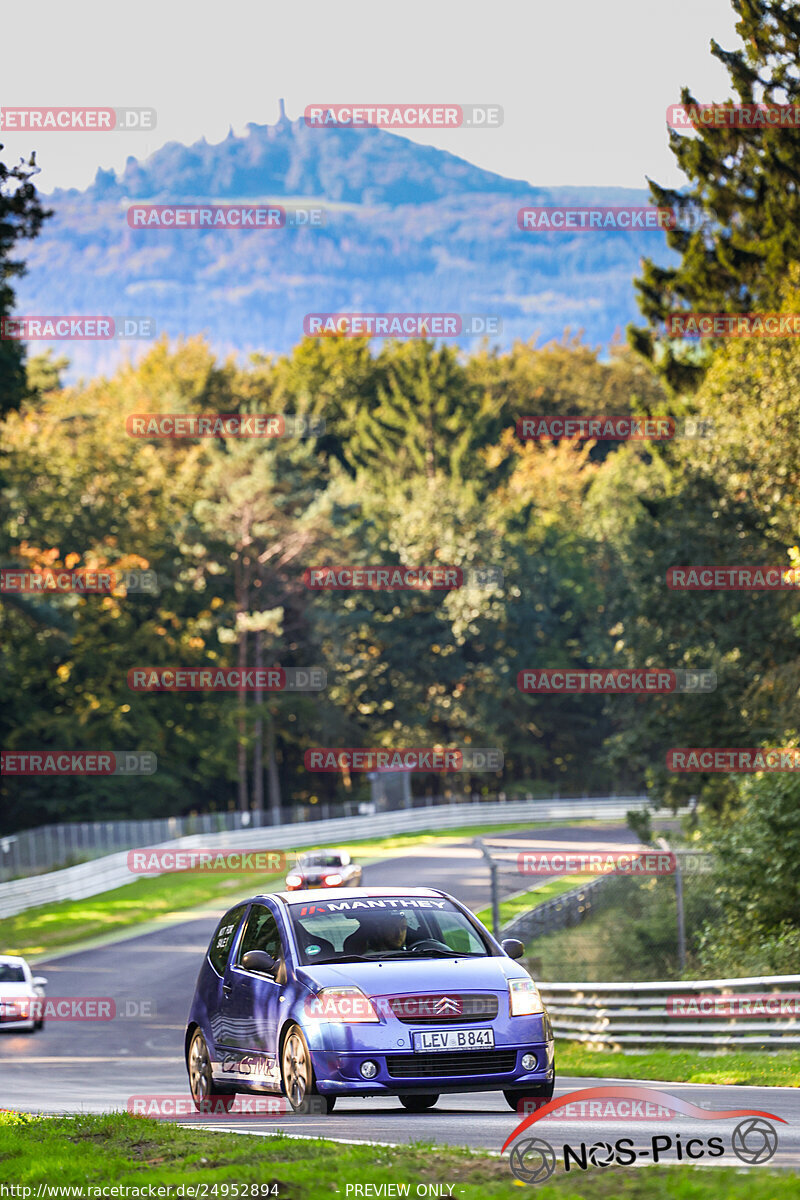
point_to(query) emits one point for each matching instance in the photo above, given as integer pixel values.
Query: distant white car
(21, 994)
(323, 868)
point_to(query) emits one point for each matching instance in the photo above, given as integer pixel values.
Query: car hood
(15, 991)
(408, 978)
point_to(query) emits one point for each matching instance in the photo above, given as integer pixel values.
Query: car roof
(12, 959)
(354, 893)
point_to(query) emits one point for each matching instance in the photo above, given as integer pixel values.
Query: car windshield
(320, 860)
(9, 974)
(383, 927)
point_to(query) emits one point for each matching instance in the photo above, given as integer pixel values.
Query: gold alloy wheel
(296, 1068)
(199, 1069)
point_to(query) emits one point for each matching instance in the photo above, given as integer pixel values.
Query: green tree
(427, 419)
(257, 519)
(757, 847)
(743, 178)
(21, 216)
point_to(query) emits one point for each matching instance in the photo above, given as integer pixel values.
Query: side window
(261, 933)
(222, 940)
(452, 929)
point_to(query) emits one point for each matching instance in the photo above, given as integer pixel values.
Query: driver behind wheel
(389, 932)
(378, 933)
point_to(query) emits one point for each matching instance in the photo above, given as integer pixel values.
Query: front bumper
(339, 1073)
(10, 1024)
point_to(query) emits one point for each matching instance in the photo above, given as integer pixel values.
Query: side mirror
(260, 961)
(39, 981)
(513, 947)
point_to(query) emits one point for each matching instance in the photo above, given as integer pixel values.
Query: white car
(21, 995)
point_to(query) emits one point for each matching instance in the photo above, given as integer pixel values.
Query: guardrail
(570, 908)
(105, 874)
(619, 1016)
(50, 847)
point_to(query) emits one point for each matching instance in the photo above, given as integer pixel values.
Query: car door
(251, 1004)
(210, 981)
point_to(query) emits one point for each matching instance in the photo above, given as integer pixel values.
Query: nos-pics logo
(753, 1141)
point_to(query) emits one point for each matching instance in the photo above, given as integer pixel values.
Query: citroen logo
(445, 1004)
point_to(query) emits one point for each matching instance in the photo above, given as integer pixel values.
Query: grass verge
(754, 1068)
(54, 926)
(88, 1152)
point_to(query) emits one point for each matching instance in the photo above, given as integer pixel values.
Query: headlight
(346, 1004)
(294, 880)
(523, 998)
(332, 880)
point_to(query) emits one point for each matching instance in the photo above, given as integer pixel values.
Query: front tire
(418, 1104)
(297, 1075)
(540, 1091)
(206, 1095)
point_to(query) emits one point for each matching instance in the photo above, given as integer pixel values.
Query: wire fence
(624, 927)
(49, 847)
(113, 871)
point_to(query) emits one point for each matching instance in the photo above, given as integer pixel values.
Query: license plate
(454, 1039)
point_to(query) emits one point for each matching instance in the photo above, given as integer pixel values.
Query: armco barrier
(620, 1016)
(570, 908)
(104, 874)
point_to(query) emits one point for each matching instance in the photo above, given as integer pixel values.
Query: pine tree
(21, 216)
(747, 181)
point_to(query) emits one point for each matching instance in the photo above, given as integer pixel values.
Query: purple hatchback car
(364, 992)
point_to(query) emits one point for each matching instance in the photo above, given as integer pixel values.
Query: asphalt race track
(99, 1065)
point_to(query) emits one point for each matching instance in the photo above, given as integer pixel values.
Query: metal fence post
(493, 886)
(662, 842)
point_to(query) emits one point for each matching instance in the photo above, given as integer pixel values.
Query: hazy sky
(584, 83)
